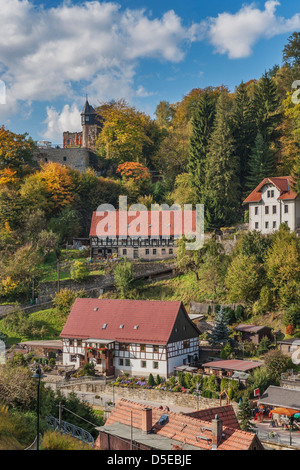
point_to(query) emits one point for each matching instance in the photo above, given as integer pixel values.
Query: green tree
(202, 126)
(243, 279)
(261, 163)
(245, 415)
(124, 278)
(291, 51)
(79, 270)
(222, 190)
(220, 334)
(243, 130)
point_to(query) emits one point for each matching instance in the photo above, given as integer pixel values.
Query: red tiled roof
(233, 364)
(179, 427)
(143, 223)
(154, 320)
(225, 413)
(282, 183)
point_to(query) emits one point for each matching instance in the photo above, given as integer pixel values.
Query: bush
(79, 271)
(53, 440)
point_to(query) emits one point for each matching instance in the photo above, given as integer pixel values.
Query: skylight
(104, 326)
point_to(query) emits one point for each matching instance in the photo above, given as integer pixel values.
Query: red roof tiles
(225, 413)
(180, 427)
(283, 183)
(153, 319)
(143, 223)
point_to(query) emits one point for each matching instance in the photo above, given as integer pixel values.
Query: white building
(272, 203)
(135, 336)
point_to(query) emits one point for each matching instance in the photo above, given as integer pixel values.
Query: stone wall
(95, 285)
(77, 158)
(151, 395)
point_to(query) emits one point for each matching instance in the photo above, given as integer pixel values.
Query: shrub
(79, 271)
(53, 440)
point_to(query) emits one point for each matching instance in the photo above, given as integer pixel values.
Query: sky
(54, 53)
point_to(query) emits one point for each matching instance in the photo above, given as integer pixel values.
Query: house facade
(272, 203)
(135, 336)
(253, 333)
(149, 235)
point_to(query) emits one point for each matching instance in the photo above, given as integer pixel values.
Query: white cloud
(44, 52)
(57, 123)
(236, 34)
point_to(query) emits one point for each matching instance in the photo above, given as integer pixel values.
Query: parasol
(284, 411)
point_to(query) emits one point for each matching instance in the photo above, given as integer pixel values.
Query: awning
(284, 411)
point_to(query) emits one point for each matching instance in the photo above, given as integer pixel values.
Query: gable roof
(283, 183)
(143, 223)
(180, 428)
(226, 414)
(145, 321)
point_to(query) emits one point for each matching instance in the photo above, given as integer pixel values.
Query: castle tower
(90, 127)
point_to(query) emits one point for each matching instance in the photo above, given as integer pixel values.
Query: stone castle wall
(77, 158)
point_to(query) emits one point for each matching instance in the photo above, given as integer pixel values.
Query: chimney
(146, 420)
(217, 429)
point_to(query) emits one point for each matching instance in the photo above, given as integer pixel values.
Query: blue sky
(53, 53)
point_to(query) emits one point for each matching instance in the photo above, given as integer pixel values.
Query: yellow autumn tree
(124, 132)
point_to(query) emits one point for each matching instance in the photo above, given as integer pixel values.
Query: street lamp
(38, 376)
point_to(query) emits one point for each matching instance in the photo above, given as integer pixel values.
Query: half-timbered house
(148, 235)
(135, 336)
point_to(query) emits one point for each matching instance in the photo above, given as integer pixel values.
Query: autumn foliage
(136, 171)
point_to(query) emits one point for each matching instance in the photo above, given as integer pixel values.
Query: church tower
(90, 126)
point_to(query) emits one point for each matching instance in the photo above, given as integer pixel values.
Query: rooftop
(281, 397)
(282, 183)
(180, 429)
(143, 321)
(233, 364)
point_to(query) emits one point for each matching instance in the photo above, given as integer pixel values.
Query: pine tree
(245, 416)
(222, 192)
(265, 109)
(220, 333)
(202, 125)
(243, 130)
(261, 163)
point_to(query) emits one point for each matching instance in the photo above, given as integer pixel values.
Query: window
(267, 224)
(186, 344)
(256, 210)
(127, 362)
(256, 225)
(163, 251)
(143, 347)
(143, 364)
(147, 252)
(65, 159)
(286, 209)
(73, 358)
(124, 347)
(266, 209)
(270, 193)
(170, 251)
(155, 348)
(274, 224)
(274, 209)
(124, 251)
(154, 251)
(121, 362)
(155, 365)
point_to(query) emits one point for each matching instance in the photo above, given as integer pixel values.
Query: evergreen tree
(202, 126)
(261, 163)
(265, 109)
(245, 416)
(243, 130)
(220, 333)
(222, 192)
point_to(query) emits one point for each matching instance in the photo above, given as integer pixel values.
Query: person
(167, 408)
